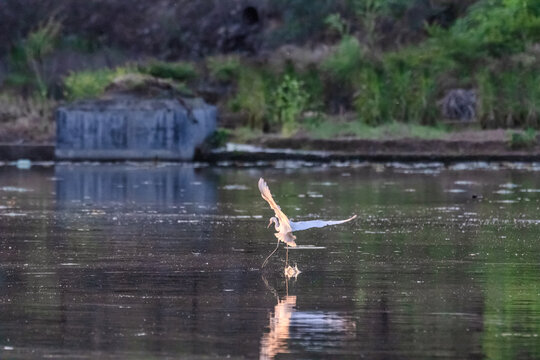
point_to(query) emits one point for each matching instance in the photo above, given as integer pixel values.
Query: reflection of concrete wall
(159, 185)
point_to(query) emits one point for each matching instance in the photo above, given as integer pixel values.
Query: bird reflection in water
(275, 341)
(287, 323)
(292, 272)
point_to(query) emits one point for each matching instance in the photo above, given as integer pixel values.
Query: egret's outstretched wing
(266, 195)
(304, 225)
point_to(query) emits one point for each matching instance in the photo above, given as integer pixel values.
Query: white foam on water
(307, 247)
(465, 182)
(509, 186)
(14, 189)
(503, 192)
(235, 187)
(13, 214)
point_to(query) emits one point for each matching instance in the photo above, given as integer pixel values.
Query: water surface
(163, 261)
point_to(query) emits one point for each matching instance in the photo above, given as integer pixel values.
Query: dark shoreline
(403, 150)
(34, 152)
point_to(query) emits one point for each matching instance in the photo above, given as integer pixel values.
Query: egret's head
(274, 220)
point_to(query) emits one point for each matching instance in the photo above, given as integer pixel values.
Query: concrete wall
(133, 129)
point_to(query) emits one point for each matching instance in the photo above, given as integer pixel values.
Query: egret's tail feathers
(287, 238)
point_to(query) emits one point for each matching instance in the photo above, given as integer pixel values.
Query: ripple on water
(455, 191)
(162, 260)
(13, 214)
(503, 192)
(235, 187)
(307, 247)
(14, 189)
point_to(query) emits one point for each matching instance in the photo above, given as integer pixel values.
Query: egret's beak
(270, 223)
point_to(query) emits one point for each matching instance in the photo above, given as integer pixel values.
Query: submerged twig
(268, 257)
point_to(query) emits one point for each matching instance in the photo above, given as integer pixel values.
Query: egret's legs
(286, 256)
(268, 257)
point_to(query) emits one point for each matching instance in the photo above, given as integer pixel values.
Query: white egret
(284, 226)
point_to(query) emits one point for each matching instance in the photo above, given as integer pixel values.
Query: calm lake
(142, 261)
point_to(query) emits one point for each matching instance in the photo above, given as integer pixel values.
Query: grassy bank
(346, 78)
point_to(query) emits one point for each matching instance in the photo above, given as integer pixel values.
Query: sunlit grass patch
(179, 71)
(342, 128)
(224, 68)
(244, 134)
(90, 83)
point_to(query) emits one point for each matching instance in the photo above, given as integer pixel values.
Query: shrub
(90, 83)
(313, 86)
(288, 102)
(491, 28)
(219, 138)
(345, 61)
(522, 139)
(368, 11)
(509, 96)
(370, 101)
(337, 24)
(224, 68)
(251, 98)
(179, 71)
(395, 91)
(27, 56)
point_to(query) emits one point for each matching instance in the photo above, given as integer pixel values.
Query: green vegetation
(90, 83)
(251, 97)
(219, 138)
(26, 58)
(331, 129)
(509, 96)
(395, 91)
(363, 71)
(224, 68)
(243, 134)
(490, 49)
(522, 139)
(288, 102)
(179, 71)
(346, 61)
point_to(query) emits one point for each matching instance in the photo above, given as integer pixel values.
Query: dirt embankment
(492, 145)
(485, 142)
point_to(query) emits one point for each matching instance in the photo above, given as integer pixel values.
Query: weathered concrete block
(133, 129)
